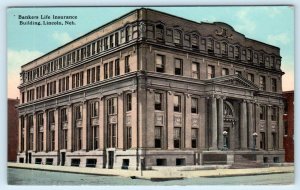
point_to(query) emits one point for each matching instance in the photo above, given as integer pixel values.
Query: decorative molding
(159, 119)
(223, 33)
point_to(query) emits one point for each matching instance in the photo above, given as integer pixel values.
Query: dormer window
(237, 52)
(249, 55)
(159, 32)
(195, 41)
(210, 46)
(177, 37)
(224, 49)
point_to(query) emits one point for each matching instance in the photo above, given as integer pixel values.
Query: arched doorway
(229, 125)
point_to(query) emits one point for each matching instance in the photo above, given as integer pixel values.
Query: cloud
(246, 25)
(272, 11)
(62, 37)
(15, 59)
(278, 39)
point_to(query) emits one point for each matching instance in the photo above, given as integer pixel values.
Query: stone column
(280, 129)
(134, 121)
(121, 118)
(170, 119)
(257, 127)
(101, 123)
(202, 123)
(220, 123)
(20, 134)
(34, 145)
(84, 125)
(250, 124)
(269, 129)
(150, 120)
(45, 124)
(214, 124)
(70, 131)
(25, 133)
(243, 126)
(56, 137)
(188, 121)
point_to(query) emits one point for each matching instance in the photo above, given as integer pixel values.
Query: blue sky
(270, 24)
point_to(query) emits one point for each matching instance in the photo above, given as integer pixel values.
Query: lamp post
(225, 139)
(254, 140)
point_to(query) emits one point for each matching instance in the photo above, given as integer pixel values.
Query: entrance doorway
(29, 158)
(110, 159)
(63, 158)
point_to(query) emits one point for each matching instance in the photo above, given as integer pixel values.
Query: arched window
(177, 37)
(159, 32)
(195, 41)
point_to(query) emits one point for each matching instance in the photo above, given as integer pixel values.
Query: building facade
(152, 89)
(12, 123)
(288, 121)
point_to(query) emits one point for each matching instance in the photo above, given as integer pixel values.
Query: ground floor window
(93, 137)
(158, 137)
(262, 140)
(75, 162)
(91, 163)
(129, 137)
(112, 135)
(40, 144)
(177, 137)
(161, 162)
(64, 139)
(194, 138)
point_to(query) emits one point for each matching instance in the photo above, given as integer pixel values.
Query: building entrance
(110, 159)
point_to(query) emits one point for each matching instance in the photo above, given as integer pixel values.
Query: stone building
(152, 89)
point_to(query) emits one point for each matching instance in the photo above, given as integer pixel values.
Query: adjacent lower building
(12, 123)
(152, 89)
(288, 121)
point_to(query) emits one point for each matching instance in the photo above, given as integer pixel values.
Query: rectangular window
(111, 40)
(128, 102)
(158, 101)
(106, 43)
(98, 73)
(78, 112)
(194, 138)
(93, 75)
(105, 70)
(117, 39)
(262, 140)
(177, 137)
(177, 37)
(112, 106)
(262, 83)
(195, 70)
(210, 72)
(111, 69)
(63, 115)
(178, 66)
(250, 77)
(112, 136)
(225, 71)
(127, 64)
(93, 137)
(160, 64)
(128, 33)
(194, 106)
(129, 137)
(177, 103)
(117, 67)
(262, 113)
(274, 114)
(274, 85)
(88, 76)
(158, 137)
(94, 109)
(210, 46)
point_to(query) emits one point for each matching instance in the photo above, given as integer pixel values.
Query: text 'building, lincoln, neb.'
(151, 89)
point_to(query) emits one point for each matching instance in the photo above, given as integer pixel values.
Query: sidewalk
(165, 173)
